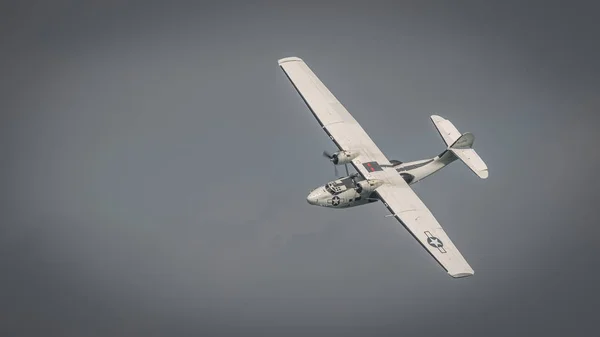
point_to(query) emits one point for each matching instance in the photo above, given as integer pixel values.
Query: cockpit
(338, 186)
(333, 189)
(343, 192)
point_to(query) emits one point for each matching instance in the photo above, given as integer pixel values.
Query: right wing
(412, 213)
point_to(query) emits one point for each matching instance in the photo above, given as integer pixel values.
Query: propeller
(333, 159)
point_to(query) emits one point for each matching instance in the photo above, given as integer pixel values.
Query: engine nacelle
(343, 157)
(368, 186)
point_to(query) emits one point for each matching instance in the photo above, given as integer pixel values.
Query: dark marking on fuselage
(407, 177)
(373, 197)
(411, 167)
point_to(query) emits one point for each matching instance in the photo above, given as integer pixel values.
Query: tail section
(460, 145)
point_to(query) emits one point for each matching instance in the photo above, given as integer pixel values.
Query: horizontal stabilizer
(462, 149)
(473, 161)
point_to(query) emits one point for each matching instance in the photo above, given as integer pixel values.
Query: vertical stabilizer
(446, 129)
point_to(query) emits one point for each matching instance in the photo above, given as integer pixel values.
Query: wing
(371, 163)
(335, 120)
(412, 213)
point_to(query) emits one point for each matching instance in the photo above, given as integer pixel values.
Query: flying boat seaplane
(378, 178)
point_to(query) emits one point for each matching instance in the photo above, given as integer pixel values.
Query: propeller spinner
(334, 159)
(339, 158)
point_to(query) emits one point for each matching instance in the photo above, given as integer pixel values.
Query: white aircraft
(377, 177)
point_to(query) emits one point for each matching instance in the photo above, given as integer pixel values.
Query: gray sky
(156, 164)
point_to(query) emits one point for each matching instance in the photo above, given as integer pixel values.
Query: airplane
(378, 178)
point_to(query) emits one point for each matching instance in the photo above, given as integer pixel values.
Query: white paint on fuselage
(348, 198)
(341, 193)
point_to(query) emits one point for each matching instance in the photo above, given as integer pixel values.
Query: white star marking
(435, 242)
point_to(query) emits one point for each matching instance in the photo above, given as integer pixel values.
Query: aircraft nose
(313, 198)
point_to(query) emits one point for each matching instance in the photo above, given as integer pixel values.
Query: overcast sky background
(156, 161)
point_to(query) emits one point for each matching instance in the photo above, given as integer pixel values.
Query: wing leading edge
(371, 163)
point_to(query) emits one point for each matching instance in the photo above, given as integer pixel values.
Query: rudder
(446, 129)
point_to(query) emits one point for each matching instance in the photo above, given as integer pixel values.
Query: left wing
(371, 163)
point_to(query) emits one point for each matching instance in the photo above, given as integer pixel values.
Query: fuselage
(347, 191)
(340, 193)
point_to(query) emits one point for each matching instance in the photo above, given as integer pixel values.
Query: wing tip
(436, 118)
(289, 59)
(463, 274)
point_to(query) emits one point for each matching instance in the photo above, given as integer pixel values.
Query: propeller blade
(335, 170)
(327, 155)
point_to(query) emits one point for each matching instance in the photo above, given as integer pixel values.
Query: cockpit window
(333, 189)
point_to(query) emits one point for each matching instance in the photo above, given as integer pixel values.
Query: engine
(343, 157)
(368, 186)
